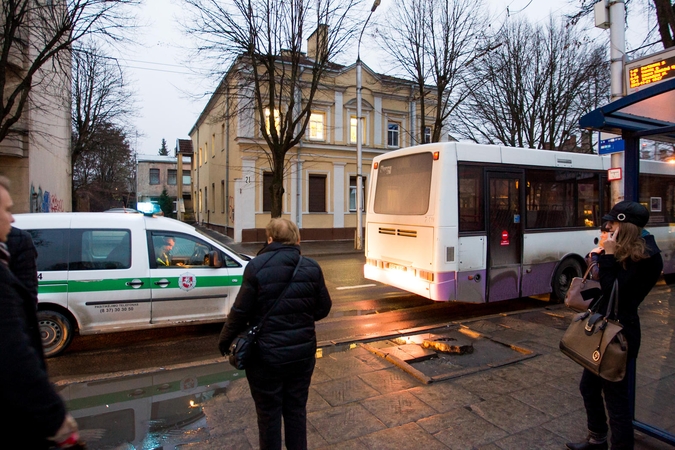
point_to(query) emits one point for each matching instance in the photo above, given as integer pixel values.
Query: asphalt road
(362, 310)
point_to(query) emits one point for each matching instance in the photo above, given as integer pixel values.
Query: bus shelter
(648, 113)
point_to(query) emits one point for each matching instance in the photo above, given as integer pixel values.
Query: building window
(172, 178)
(352, 130)
(316, 123)
(222, 196)
(187, 179)
(277, 121)
(222, 137)
(427, 135)
(392, 134)
(352, 193)
(317, 193)
(266, 194)
(154, 176)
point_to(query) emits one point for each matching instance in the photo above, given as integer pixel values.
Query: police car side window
(52, 248)
(178, 250)
(101, 249)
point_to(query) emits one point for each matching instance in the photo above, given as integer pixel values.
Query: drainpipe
(227, 156)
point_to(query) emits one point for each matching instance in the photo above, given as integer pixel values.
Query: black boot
(586, 446)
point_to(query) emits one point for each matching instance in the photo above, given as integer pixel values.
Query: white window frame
(391, 133)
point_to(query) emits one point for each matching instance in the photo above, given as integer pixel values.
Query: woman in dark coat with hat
(632, 257)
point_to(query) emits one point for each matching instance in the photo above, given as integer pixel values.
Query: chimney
(317, 43)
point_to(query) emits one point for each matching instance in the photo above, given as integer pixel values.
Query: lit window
(392, 134)
(316, 126)
(277, 121)
(352, 131)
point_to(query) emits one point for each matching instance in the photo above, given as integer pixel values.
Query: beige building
(36, 154)
(231, 170)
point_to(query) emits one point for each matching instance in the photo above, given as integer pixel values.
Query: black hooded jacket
(288, 333)
(635, 282)
(33, 410)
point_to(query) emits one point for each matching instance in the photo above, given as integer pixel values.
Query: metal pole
(358, 241)
(617, 39)
(359, 179)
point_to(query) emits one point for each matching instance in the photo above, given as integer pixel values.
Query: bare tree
(103, 176)
(534, 88)
(436, 42)
(663, 10)
(40, 33)
(100, 98)
(263, 39)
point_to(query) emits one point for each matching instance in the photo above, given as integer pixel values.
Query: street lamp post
(358, 243)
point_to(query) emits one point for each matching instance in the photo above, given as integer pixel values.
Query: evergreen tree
(166, 203)
(163, 151)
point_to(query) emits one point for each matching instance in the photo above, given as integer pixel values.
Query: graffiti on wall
(44, 201)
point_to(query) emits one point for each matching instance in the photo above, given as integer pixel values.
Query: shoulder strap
(283, 293)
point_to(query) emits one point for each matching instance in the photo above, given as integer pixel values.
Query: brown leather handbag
(582, 292)
(596, 341)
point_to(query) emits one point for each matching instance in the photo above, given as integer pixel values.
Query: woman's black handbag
(596, 342)
(244, 344)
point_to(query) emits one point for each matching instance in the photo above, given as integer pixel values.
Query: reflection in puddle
(153, 411)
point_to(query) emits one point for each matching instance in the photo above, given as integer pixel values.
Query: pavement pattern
(361, 399)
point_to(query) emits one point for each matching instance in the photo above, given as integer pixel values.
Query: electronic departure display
(649, 70)
(658, 71)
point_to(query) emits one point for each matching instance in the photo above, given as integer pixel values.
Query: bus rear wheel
(562, 279)
(56, 332)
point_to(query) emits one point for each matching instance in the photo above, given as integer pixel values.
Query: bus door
(505, 238)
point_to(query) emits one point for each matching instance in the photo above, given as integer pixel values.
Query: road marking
(355, 287)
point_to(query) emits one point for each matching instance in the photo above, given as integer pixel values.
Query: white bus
(478, 223)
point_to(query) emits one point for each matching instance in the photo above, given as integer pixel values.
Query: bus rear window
(404, 184)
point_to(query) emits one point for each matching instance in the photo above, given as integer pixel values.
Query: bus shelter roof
(648, 113)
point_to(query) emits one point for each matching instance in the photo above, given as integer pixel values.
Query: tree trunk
(277, 187)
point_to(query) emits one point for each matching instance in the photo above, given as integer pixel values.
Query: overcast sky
(168, 93)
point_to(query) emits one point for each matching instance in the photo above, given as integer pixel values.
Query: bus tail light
(425, 275)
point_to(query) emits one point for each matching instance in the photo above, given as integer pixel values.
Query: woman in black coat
(632, 257)
(280, 369)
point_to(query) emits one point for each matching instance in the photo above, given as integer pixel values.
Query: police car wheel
(562, 279)
(55, 331)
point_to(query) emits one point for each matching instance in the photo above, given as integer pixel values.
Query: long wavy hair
(629, 244)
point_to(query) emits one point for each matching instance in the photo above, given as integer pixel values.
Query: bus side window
(471, 209)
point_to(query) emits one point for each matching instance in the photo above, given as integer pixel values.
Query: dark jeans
(618, 403)
(281, 391)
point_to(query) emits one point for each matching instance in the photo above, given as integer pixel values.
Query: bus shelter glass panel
(655, 379)
(657, 193)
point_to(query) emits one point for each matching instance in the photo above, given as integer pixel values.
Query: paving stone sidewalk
(359, 400)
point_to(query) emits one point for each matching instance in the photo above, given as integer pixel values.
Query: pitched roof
(184, 146)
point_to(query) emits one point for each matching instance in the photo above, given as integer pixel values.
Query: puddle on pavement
(154, 411)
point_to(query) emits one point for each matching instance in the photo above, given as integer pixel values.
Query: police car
(107, 272)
